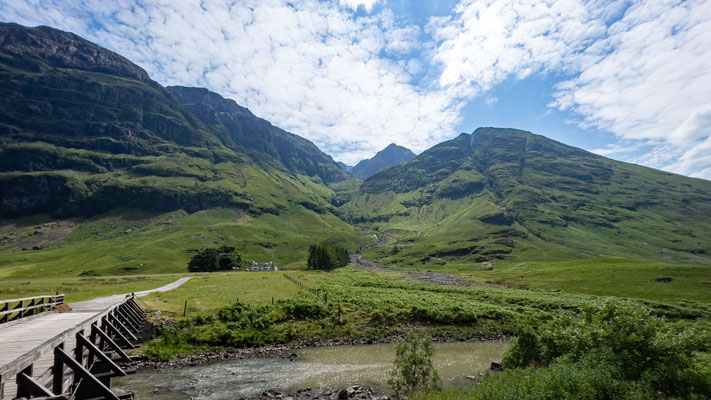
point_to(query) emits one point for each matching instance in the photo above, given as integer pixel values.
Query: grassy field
(134, 242)
(209, 292)
(607, 277)
(604, 277)
(82, 288)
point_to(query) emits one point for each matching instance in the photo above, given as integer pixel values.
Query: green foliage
(413, 370)
(241, 325)
(215, 259)
(622, 339)
(327, 256)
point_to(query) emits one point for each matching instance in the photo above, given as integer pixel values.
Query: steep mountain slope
(386, 158)
(508, 194)
(84, 132)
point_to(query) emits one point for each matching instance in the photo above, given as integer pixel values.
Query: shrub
(413, 369)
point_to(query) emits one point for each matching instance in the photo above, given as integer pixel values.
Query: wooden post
(185, 309)
(58, 372)
(272, 300)
(4, 307)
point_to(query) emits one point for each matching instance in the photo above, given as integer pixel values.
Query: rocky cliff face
(239, 129)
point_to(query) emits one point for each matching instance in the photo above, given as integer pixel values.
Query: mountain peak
(389, 156)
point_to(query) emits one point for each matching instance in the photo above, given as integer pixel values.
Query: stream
(316, 367)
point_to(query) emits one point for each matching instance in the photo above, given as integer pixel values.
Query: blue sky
(627, 79)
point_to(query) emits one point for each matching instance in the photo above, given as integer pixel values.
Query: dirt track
(438, 278)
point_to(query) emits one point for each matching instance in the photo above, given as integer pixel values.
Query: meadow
(253, 309)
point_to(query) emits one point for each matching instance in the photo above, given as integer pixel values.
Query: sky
(630, 80)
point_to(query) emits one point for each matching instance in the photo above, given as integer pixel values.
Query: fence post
(185, 309)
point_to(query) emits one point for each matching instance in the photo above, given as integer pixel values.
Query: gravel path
(438, 278)
(106, 302)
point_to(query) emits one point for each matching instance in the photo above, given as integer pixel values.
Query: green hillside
(504, 194)
(102, 169)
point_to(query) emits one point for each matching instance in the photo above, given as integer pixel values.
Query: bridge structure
(55, 351)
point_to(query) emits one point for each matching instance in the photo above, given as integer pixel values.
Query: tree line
(327, 256)
(215, 259)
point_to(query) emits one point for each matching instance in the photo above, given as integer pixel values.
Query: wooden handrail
(16, 310)
(57, 296)
(13, 309)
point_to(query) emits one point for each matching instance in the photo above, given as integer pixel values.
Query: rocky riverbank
(353, 392)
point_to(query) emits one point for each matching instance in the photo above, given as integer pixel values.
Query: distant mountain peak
(386, 158)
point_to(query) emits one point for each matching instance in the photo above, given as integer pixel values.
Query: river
(316, 367)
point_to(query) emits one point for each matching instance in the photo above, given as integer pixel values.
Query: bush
(621, 337)
(327, 256)
(221, 258)
(413, 370)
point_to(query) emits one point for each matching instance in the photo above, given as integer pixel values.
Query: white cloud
(311, 68)
(491, 100)
(485, 42)
(648, 79)
(354, 4)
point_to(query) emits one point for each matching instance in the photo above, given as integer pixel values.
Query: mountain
(344, 166)
(69, 105)
(505, 194)
(386, 158)
(86, 136)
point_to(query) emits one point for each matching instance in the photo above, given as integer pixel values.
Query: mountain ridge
(460, 195)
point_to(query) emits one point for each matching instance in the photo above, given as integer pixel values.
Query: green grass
(210, 291)
(607, 277)
(82, 288)
(134, 242)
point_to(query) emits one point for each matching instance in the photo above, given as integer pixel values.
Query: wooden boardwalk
(31, 340)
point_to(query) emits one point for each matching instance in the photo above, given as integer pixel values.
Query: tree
(327, 256)
(413, 369)
(221, 258)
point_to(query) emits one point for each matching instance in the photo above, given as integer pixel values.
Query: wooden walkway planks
(33, 340)
(28, 336)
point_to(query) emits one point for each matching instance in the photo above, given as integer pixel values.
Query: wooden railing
(80, 361)
(15, 309)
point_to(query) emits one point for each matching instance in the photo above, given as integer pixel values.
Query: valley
(110, 183)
